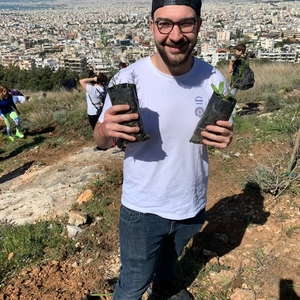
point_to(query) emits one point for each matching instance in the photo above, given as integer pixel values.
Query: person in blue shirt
(9, 110)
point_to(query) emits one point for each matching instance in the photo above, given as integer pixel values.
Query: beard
(175, 60)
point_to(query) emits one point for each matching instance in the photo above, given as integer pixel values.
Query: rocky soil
(247, 250)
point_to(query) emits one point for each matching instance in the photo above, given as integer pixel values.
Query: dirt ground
(248, 248)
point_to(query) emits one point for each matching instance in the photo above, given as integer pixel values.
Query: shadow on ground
(18, 172)
(40, 130)
(250, 108)
(286, 290)
(227, 222)
(22, 147)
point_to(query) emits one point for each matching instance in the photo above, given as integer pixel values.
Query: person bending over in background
(18, 97)
(9, 110)
(70, 84)
(165, 177)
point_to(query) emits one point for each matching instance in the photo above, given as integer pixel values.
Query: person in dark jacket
(70, 84)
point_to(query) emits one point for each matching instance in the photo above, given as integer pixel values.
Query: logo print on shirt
(198, 100)
(199, 109)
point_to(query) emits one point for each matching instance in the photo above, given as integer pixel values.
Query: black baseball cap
(195, 4)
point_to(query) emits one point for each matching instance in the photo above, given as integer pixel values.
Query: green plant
(227, 96)
(23, 245)
(271, 178)
(272, 101)
(220, 92)
(260, 257)
(276, 128)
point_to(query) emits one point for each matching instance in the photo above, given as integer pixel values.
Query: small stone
(77, 218)
(85, 196)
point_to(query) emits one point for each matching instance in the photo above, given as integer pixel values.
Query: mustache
(175, 44)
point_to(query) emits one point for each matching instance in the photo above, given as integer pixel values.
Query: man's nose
(175, 34)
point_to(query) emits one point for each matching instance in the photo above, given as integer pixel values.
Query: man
(237, 67)
(165, 177)
(71, 84)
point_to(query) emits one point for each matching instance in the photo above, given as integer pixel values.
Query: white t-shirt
(167, 175)
(95, 95)
(19, 99)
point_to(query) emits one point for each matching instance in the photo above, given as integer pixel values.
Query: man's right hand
(112, 128)
(113, 118)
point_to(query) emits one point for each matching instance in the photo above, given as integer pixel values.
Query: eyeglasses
(165, 26)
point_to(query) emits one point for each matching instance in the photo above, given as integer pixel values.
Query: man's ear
(151, 24)
(199, 23)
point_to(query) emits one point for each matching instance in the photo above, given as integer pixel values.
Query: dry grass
(275, 78)
(53, 109)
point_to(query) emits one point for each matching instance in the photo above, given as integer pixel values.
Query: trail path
(47, 191)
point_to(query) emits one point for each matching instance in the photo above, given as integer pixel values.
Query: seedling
(220, 92)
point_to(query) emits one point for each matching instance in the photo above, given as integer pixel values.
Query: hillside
(255, 237)
(248, 248)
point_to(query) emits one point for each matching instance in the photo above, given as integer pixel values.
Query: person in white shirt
(95, 88)
(165, 177)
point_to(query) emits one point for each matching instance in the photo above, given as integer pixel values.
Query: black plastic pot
(217, 109)
(126, 94)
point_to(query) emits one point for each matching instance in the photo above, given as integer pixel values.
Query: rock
(77, 218)
(221, 237)
(85, 196)
(73, 231)
(10, 256)
(46, 192)
(267, 249)
(240, 294)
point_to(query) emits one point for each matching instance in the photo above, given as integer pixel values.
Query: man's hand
(218, 136)
(112, 119)
(112, 128)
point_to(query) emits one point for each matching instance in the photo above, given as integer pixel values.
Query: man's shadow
(286, 290)
(226, 224)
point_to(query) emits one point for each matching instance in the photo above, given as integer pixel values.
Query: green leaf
(221, 87)
(215, 89)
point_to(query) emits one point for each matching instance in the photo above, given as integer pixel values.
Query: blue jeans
(150, 246)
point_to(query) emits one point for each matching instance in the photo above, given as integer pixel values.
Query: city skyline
(40, 4)
(60, 36)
